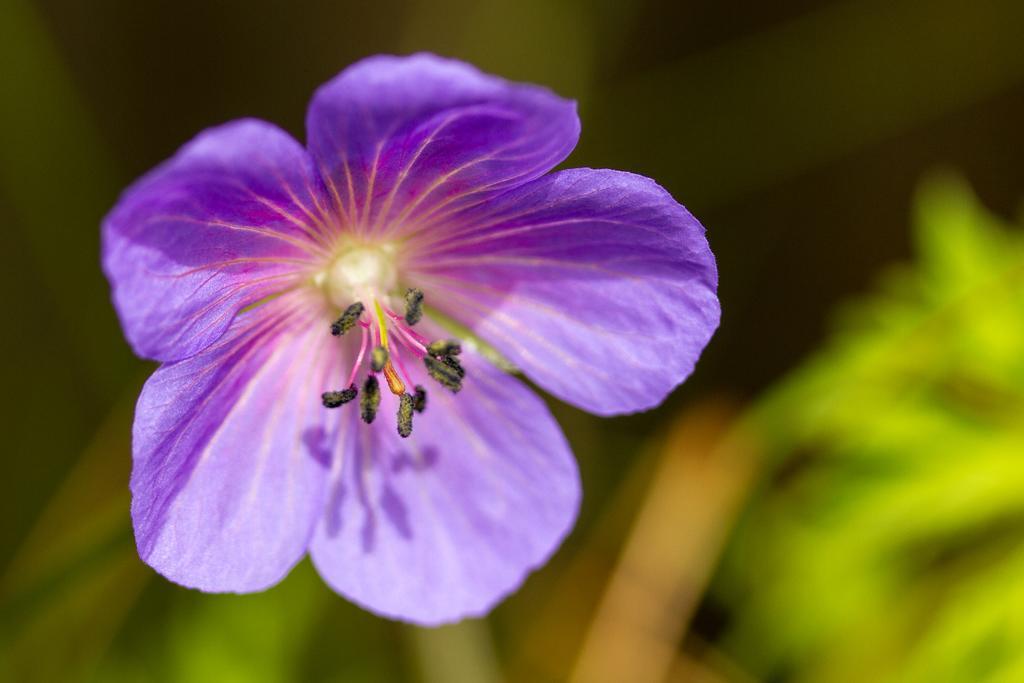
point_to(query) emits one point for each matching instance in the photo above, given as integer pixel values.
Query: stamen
(333, 399)
(406, 404)
(347, 320)
(439, 358)
(413, 306)
(378, 359)
(445, 373)
(369, 402)
(381, 352)
(444, 347)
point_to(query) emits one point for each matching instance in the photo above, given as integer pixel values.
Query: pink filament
(411, 339)
(359, 358)
(412, 334)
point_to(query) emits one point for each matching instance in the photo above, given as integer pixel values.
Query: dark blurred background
(802, 133)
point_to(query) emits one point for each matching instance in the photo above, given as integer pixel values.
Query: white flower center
(361, 274)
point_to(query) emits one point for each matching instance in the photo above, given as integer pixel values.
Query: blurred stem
(710, 667)
(670, 552)
(460, 653)
(547, 649)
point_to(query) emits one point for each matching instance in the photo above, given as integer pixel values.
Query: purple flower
(296, 294)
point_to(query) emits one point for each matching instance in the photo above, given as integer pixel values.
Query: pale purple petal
(402, 140)
(231, 454)
(598, 284)
(227, 221)
(444, 524)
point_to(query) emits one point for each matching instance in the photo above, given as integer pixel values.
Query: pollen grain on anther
(334, 399)
(413, 306)
(444, 347)
(447, 372)
(419, 399)
(406, 405)
(347, 320)
(369, 402)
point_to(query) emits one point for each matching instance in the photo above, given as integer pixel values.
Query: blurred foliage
(887, 544)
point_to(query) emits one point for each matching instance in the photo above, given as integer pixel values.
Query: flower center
(361, 274)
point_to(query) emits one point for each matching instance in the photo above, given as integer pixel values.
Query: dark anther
(444, 347)
(419, 399)
(370, 400)
(413, 306)
(406, 404)
(378, 359)
(444, 373)
(347, 320)
(333, 399)
(454, 364)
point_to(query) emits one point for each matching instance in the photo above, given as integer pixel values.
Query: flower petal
(406, 139)
(231, 455)
(226, 222)
(444, 524)
(596, 283)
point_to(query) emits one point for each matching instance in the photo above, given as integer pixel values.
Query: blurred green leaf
(76, 576)
(255, 638)
(888, 540)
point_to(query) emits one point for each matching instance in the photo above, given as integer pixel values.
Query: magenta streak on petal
(311, 248)
(396, 138)
(428, 221)
(185, 246)
(447, 120)
(315, 234)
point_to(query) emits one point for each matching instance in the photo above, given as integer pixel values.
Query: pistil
(381, 353)
(378, 359)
